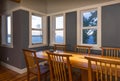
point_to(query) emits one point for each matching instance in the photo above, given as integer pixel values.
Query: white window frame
(4, 30)
(52, 29)
(44, 30)
(80, 27)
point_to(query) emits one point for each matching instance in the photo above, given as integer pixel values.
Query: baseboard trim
(13, 68)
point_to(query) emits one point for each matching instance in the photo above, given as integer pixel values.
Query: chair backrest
(101, 69)
(60, 47)
(31, 60)
(82, 49)
(60, 67)
(110, 52)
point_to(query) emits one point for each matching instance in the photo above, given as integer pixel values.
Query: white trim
(86, 7)
(18, 70)
(99, 41)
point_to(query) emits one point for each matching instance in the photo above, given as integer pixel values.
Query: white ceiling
(50, 6)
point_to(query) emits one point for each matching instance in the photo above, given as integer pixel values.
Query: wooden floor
(8, 75)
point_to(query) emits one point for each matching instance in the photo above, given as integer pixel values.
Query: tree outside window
(89, 27)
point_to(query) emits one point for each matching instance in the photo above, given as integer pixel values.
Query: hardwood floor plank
(8, 75)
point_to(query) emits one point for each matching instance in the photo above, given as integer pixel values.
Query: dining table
(77, 60)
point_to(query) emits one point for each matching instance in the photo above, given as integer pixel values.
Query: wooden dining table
(77, 60)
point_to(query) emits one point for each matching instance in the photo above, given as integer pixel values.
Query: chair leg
(39, 78)
(28, 76)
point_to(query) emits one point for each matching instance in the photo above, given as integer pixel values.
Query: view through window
(89, 27)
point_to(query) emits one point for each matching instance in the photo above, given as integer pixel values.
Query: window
(37, 36)
(37, 31)
(59, 29)
(7, 30)
(58, 35)
(89, 28)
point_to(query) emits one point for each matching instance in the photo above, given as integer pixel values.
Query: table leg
(84, 75)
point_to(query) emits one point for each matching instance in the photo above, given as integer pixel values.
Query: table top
(76, 60)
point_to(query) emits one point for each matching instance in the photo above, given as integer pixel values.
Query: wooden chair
(103, 69)
(82, 49)
(33, 66)
(60, 47)
(110, 52)
(60, 67)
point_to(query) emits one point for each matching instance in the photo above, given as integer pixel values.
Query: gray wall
(111, 25)
(20, 23)
(71, 30)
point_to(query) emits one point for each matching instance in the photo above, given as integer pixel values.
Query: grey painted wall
(111, 25)
(71, 30)
(20, 23)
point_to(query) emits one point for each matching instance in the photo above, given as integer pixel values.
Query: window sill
(37, 45)
(94, 47)
(5, 45)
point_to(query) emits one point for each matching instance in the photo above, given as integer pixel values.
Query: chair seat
(43, 69)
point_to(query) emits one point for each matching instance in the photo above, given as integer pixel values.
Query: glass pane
(36, 22)
(8, 29)
(90, 18)
(59, 22)
(59, 37)
(89, 36)
(37, 36)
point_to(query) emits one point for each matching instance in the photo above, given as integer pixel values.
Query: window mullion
(37, 29)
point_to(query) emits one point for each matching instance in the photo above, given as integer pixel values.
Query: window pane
(8, 29)
(59, 37)
(37, 36)
(36, 22)
(59, 22)
(90, 18)
(89, 36)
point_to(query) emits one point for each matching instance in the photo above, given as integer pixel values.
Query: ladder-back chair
(103, 69)
(60, 47)
(60, 67)
(33, 66)
(110, 52)
(82, 49)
